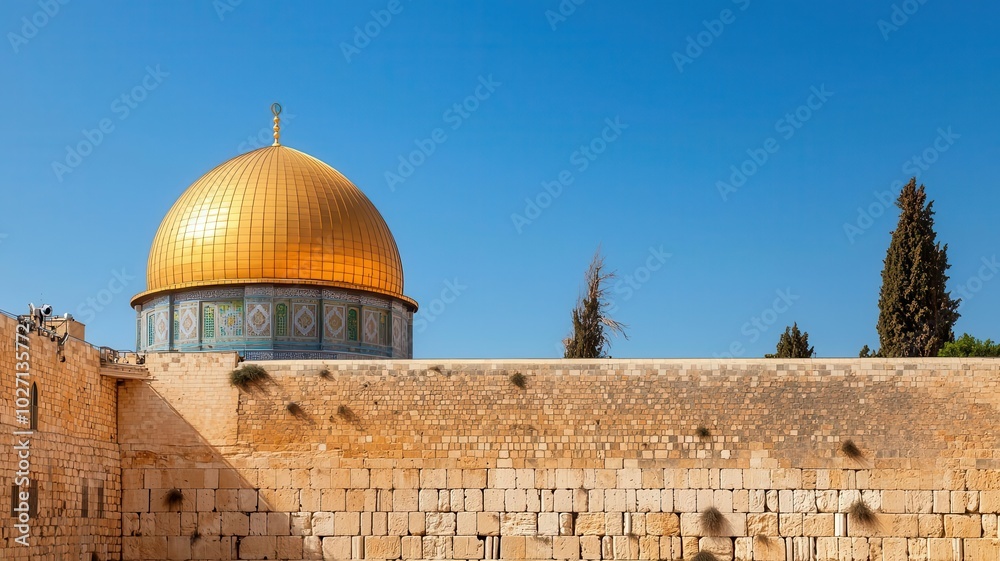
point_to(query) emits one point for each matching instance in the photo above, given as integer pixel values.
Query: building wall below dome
(267, 322)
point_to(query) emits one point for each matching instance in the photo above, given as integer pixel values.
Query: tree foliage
(967, 345)
(592, 324)
(793, 344)
(916, 312)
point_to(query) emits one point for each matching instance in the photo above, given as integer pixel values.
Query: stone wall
(74, 450)
(609, 459)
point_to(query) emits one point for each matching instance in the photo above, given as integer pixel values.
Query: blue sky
(646, 111)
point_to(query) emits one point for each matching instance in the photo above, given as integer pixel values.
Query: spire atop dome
(276, 110)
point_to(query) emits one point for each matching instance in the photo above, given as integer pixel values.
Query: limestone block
(930, 525)
(941, 548)
(337, 548)
(248, 500)
(942, 501)
(566, 548)
(428, 500)
(595, 500)
(434, 479)
(518, 523)
(982, 550)
(962, 526)
(916, 549)
(473, 500)
(227, 500)
(614, 523)
(408, 478)
(894, 549)
(804, 501)
(605, 479)
(892, 502)
(380, 547)
(399, 524)
(465, 524)
(757, 500)
(675, 478)
(135, 500)
(769, 548)
(322, 524)
(405, 500)
(309, 499)
(736, 525)
(886, 525)
(538, 547)
(722, 499)
(771, 501)
(179, 547)
(417, 522)
(488, 523)
(474, 478)
(581, 500)
(615, 500)
(569, 478)
(346, 523)
(312, 547)
(685, 500)
(847, 498)
(989, 501)
(287, 547)
(741, 500)
(380, 478)
(817, 525)
(731, 478)
(652, 478)
(379, 524)
(918, 502)
(758, 479)
(743, 549)
(512, 547)
(591, 524)
(990, 526)
(964, 501)
(493, 499)
(765, 523)
(515, 500)
(827, 501)
(440, 523)
(333, 499)
(548, 524)
(562, 500)
(982, 479)
(258, 523)
(468, 547)
(790, 524)
(258, 547)
(340, 479)
(721, 548)
(786, 502)
(629, 478)
(698, 479)
(590, 547)
(456, 499)
(566, 523)
(666, 500)
(502, 478)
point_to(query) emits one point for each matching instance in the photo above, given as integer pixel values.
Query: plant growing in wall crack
(173, 498)
(703, 432)
(862, 515)
(519, 380)
(713, 522)
(703, 556)
(248, 376)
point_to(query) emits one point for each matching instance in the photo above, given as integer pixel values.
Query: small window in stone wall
(383, 329)
(208, 322)
(33, 409)
(15, 499)
(100, 500)
(150, 330)
(85, 506)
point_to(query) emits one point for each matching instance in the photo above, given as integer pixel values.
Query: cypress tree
(592, 325)
(916, 311)
(793, 344)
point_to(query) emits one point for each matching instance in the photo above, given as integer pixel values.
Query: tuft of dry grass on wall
(703, 432)
(862, 514)
(519, 380)
(173, 498)
(851, 450)
(713, 523)
(346, 413)
(703, 556)
(325, 374)
(195, 536)
(247, 376)
(295, 409)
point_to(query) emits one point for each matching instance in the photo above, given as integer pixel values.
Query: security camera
(46, 309)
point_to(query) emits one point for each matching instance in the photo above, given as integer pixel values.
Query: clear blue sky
(199, 77)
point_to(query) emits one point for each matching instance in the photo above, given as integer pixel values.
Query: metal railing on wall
(107, 354)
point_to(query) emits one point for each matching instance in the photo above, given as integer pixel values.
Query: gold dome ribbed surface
(274, 215)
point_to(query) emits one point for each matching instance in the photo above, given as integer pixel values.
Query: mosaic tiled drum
(276, 255)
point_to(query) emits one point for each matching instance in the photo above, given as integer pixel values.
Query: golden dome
(274, 216)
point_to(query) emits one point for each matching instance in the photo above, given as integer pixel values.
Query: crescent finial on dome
(276, 110)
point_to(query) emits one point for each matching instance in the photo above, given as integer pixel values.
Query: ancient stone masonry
(602, 459)
(74, 455)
